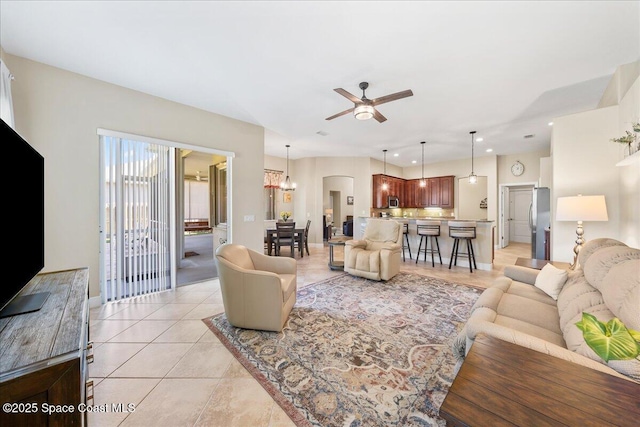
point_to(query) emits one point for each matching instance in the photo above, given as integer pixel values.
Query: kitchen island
(483, 244)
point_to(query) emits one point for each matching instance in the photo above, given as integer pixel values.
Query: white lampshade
(363, 112)
(581, 208)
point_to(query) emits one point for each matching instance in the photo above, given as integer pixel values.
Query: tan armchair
(258, 291)
(377, 256)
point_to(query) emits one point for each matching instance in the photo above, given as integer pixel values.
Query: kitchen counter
(482, 244)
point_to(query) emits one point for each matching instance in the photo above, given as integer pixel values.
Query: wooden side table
(502, 384)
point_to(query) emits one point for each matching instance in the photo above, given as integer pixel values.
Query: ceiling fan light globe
(363, 112)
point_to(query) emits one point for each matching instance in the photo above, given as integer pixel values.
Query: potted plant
(629, 138)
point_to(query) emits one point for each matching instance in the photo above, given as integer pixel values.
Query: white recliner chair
(258, 291)
(377, 256)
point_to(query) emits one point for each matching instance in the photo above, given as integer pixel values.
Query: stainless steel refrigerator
(539, 220)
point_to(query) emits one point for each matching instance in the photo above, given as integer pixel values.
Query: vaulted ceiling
(504, 69)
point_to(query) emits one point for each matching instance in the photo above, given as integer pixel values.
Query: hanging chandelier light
(385, 186)
(287, 185)
(473, 178)
(423, 182)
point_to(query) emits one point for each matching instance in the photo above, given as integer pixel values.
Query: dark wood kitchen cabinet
(437, 193)
(446, 191)
(395, 188)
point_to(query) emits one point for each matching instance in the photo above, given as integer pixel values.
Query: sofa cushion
(519, 306)
(615, 272)
(594, 245)
(551, 280)
(578, 296)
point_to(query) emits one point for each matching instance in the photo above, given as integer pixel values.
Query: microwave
(394, 202)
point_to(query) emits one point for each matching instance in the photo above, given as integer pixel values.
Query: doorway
(142, 224)
(203, 213)
(515, 203)
(337, 198)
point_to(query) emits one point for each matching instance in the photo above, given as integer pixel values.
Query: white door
(504, 209)
(519, 204)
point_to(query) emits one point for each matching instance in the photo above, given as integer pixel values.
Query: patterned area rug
(357, 352)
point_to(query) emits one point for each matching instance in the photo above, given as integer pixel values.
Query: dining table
(271, 234)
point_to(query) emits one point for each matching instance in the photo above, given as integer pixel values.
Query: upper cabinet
(446, 191)
(437, 193)
(395, 188)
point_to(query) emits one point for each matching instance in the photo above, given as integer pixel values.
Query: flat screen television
(23, 236)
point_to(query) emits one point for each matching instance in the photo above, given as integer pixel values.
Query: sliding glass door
(137, 216)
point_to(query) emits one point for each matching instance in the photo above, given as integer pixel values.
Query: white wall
(584, 162)
(629, 176)
(469, 198)
(58, 112)
(344, 185)
(531, 162)
(309, 198)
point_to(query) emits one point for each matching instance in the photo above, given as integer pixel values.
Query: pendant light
(423, 182)
(385, 186)
(287, 185)
(473, 178)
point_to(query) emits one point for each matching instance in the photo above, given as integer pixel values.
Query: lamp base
(576, 249)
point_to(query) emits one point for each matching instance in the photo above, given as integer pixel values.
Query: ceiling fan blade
(379, 117)
(350, 110)
(349, 96)
(392, 97)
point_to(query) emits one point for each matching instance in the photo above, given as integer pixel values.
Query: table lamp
(329, 214)
(581, 208)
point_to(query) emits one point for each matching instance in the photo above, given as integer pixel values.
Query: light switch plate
(249, 218)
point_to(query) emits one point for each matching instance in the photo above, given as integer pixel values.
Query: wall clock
(517, 168)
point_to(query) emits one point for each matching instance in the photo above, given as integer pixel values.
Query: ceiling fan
(364, 108)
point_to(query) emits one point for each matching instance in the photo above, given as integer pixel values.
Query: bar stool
(463, 230)
(428, 231)
(405, 240)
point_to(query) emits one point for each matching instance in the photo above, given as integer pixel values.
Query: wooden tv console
(44, 355)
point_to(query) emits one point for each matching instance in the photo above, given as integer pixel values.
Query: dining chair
(305, 237)
(285, 236)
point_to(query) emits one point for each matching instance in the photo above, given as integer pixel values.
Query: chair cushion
(364, 260)
(382, 230)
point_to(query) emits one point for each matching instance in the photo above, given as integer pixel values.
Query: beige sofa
(377, 256)
(258, 291)
(515, 310)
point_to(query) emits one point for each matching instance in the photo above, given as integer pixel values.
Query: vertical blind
(136, 181)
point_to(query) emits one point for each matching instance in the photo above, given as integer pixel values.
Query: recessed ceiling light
(396, 155)
(479, 139)
(489, 150)
(550, 123)
(414, 161)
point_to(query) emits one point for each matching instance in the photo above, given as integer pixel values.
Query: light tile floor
(156, 353)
